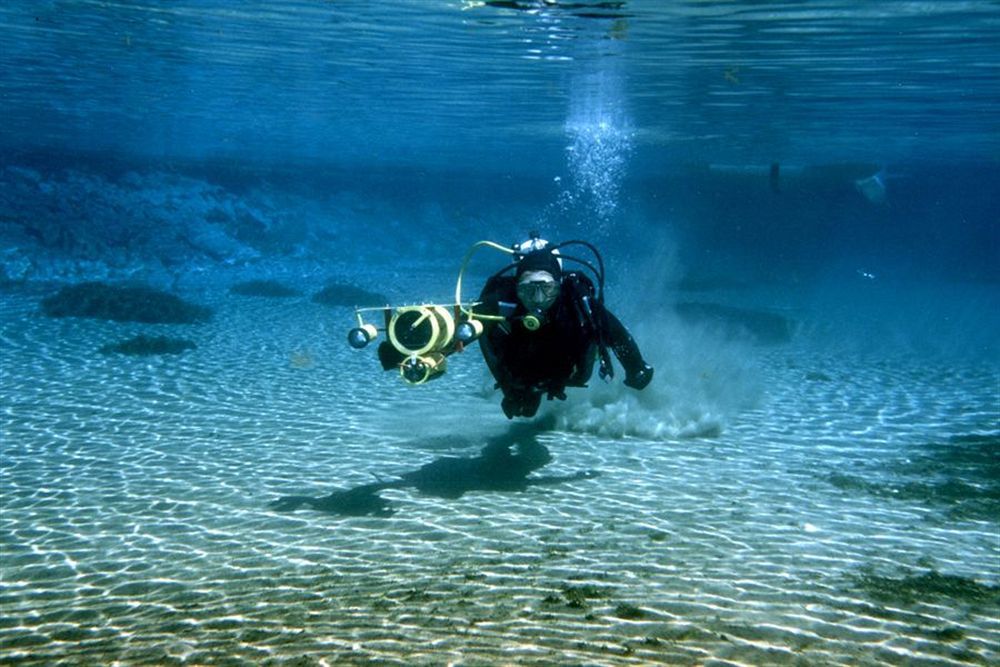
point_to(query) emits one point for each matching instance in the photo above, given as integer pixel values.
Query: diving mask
(537, 290)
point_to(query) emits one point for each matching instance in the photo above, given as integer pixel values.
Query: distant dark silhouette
(146, 346)
(496, 468)
(343, 294)
(264, 288)
(763, 327)
(123, 303)
(775, 177)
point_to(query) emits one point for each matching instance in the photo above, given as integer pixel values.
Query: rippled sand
(847, 513)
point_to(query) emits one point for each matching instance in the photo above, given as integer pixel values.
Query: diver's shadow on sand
(504, 464)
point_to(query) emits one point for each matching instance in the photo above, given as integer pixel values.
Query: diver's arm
(492, 350)
(637, 372)
(494, 342)
(519, 400)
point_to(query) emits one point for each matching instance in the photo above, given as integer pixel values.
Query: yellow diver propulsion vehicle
(422, 337)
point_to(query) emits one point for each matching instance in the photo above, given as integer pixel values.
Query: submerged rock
(340, 294)
(123, 304)
(266, 288)
(145, 346)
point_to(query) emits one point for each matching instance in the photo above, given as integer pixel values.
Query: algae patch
(928, 585)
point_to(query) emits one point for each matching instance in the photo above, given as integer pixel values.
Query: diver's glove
(638, 379)
(520, 404)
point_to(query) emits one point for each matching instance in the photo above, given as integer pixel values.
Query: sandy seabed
(847, 516)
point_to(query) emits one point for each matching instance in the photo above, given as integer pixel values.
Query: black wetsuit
(576, 331)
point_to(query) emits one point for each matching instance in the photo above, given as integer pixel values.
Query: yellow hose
(461, 272)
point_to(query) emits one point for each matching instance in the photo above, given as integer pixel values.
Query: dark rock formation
(265, 288)
(340, 294)
(146, 346)
(123, 304)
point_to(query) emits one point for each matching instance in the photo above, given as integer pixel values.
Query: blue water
(797, 203)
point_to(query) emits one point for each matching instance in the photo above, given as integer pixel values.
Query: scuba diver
(541, 328)
(545, 327)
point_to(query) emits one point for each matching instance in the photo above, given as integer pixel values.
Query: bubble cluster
(597, 157)
(599, 138)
